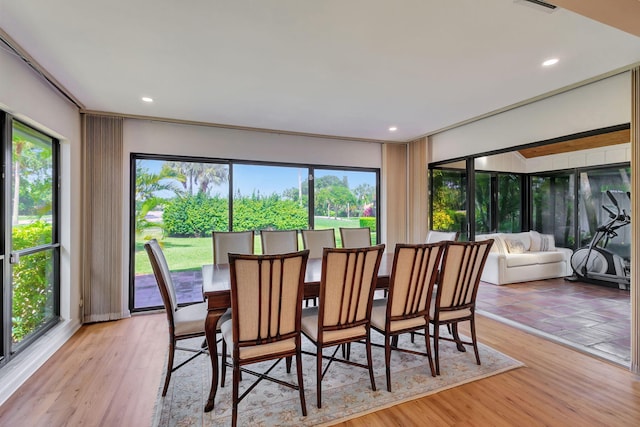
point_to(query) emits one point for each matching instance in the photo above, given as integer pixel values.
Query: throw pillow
(547, 242)
(535, 241)
(515, 246)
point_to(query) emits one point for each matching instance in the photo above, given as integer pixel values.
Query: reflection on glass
(509, 203)
(484, 205)
(593, 188)
(553, 207)
(345, 199)
(32, 302)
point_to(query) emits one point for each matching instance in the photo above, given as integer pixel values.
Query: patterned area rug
(346, 390)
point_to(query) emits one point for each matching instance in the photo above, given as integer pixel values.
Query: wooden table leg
(210, 326)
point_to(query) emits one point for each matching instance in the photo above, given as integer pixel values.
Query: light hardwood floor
(108, 375)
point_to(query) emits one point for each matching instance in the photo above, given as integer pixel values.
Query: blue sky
(274, 179)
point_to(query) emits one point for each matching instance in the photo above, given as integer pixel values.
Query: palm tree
(198, 175)
(148, 187)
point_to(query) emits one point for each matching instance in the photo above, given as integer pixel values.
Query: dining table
(216, 289)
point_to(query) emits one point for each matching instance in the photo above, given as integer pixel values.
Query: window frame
(9, 349)
(311, 168)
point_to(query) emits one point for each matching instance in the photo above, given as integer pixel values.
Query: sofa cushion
(516, 260)
(532, 258)
(549, 256)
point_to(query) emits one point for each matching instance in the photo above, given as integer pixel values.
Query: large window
(179, 201)
(30, 250)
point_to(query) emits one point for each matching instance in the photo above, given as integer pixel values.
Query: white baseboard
(26, 363)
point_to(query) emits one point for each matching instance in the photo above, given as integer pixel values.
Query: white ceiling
(348, 68)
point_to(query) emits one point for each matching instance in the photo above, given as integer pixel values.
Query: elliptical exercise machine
(595, 263)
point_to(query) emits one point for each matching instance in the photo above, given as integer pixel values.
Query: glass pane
(484, 208)
(594, 202)
(345, 199)
(269, 198)
(32, 299)
(449, 207)
(553, 207)
(31, 188)
(178, 203)
(509, 203)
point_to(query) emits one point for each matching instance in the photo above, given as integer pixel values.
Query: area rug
(346, 390)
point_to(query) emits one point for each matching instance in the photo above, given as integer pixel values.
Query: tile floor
(591, 318)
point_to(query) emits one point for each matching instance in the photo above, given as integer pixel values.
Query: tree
(148, 187)
(32, 177)
(198, 177)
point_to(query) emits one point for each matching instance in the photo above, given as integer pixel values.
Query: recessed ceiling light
(147, 99)
(393, 128)
(550, 62)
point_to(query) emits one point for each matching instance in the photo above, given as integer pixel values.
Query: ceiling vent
(537, 4)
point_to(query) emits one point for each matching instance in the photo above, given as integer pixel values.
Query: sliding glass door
(553, 206)
(180, 201)
(449, 198)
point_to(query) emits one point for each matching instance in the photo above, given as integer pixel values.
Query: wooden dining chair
(347, 284)
(266, 301)
(455, 299)
(355, 237)
(317, 240)
(279, 241)
(413, 275)
(184, 322)
(240, 242)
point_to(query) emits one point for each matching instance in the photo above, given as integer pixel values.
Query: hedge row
(198, 215)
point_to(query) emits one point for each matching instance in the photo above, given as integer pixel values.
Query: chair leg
(428, 344)
(319, 376)
(387, 359)
(167, 378)
(370, 362)
(436, 338)
(456, 337)
(473, 339)
(303, 402)
(412, 337)
(288, 361)
(234, 396)
(223, 363)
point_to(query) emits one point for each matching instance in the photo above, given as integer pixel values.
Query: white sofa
(521, 257)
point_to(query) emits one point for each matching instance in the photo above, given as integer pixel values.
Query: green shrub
(32, 280)
(195, 215)
(268, 213)
(367, 221)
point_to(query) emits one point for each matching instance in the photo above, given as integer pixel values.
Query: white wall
(30, 99)
(597, 105)
(146, 136)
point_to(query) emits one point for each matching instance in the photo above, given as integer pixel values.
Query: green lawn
(190, 253)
